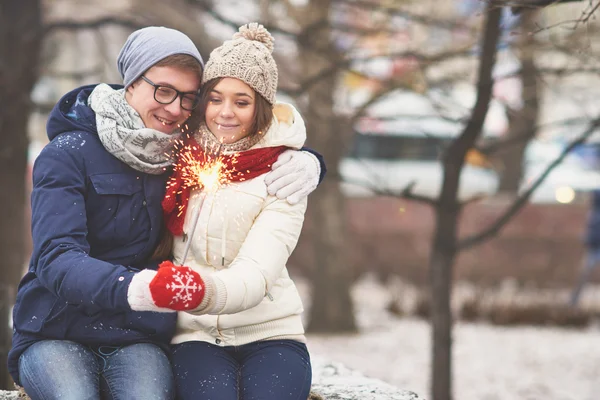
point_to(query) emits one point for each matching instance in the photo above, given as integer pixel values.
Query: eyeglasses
(167, 95)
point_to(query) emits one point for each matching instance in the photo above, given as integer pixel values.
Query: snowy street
(490, 363)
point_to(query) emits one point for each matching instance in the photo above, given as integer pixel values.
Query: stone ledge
(332, 381)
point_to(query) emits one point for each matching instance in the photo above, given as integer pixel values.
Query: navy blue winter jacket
(95, 221)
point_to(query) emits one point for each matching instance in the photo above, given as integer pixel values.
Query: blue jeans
(266, 370)
(60, 369)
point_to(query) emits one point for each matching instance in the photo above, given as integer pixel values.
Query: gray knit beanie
(248, 58)
(147, 46)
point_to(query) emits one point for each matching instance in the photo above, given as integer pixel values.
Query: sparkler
(195, 218)
(209, 174)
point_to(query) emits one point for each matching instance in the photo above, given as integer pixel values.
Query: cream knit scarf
(210, 143)
(123, 134)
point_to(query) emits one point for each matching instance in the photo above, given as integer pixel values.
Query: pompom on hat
(247, 57)
(147, 46)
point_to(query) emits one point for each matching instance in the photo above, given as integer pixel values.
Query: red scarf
(239, 166)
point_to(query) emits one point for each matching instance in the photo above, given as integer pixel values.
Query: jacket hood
(72, 113)
(287, 128)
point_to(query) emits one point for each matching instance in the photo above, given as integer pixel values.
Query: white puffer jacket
(243, 239)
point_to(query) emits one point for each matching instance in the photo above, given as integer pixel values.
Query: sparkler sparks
(208, 172)
(204, 168)
(199, 167)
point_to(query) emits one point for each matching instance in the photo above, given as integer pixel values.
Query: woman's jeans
(60, 369)
(267, 370)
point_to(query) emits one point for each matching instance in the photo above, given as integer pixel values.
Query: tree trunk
(20, 33)
(441, 269)
(522, 122)
(331, 309)
(444, 247)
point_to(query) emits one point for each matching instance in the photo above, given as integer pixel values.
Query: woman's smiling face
(166, 118)
(230, 110)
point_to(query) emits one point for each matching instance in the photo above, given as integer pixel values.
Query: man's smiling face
(166, 118)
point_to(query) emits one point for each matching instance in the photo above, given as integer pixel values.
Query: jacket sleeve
(261, 259)
(321, 162)
(61, 257)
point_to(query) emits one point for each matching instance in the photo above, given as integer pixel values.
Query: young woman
(96, 221)
(240, 334)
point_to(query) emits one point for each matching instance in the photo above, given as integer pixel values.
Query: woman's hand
(177, 287)
(171, 288)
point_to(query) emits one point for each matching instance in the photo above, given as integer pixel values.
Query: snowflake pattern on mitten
(177, 287)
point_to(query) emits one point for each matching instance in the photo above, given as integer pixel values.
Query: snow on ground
(490, 362)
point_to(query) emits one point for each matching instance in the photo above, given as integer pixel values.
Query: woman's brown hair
(164, 249)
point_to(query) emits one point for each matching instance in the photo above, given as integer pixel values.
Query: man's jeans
(60, 369)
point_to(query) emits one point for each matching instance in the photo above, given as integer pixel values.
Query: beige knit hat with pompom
(246, 57)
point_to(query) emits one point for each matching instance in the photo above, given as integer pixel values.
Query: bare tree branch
(105, 58)
(208, 9)
(485, 82)
(572, 22)
(76, 75)
(295, 12)
(492, 147)
(558, 72)
(386, 88)
(476, 198)
(406, 193)
(177, 14)
(92, 24)
(501, 221)
(518, 6)
(530, 3)
(392, 10)
(289, 7)
(587, 14)
(343, 65)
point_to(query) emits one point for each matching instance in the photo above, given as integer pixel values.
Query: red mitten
(177, 287)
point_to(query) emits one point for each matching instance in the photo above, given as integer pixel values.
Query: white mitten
(294, 176)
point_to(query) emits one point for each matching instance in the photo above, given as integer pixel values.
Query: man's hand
(294, 176)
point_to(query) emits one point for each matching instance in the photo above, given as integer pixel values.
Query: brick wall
(541, 245)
